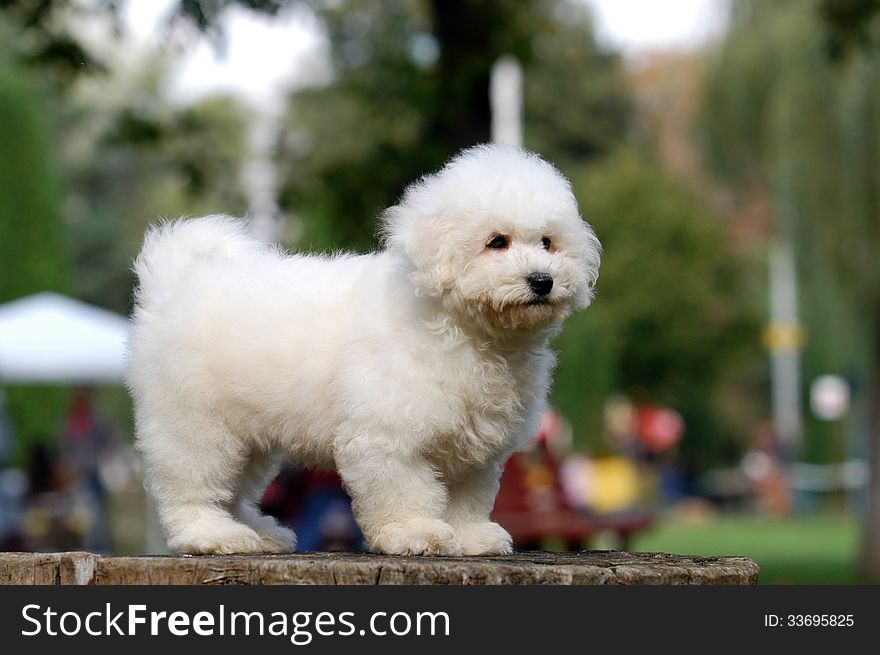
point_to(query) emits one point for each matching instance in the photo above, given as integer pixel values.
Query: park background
(731, 171)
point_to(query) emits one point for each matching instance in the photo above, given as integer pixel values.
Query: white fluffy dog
(414, 372)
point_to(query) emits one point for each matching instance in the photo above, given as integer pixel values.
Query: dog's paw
(277, 539)
(417, 537)
(216, 538)
(484, 539)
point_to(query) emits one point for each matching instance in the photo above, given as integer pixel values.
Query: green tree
(47, 40)
(672, 313)
(410, 87)
(140, 161)
(792, 110)
(30, 212)
(119, 166)
(32, 244)
(123, 155)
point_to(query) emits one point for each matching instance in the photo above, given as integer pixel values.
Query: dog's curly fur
(414, 371)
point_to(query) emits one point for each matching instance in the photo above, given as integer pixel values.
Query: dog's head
(497, 236)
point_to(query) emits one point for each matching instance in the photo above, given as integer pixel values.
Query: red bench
(532, 508)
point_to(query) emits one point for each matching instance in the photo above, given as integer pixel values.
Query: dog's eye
(545, 241)
(498, 241)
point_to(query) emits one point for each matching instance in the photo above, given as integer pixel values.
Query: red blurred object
(284, 496)
(659, 428)
(80, 421)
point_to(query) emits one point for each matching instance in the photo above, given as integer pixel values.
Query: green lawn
(802, 550)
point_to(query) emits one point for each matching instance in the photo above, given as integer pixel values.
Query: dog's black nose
(540, 283)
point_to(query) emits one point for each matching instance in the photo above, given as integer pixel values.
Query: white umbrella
(49, 338)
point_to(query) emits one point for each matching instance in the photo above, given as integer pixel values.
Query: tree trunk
(869, 564)
(465, 32)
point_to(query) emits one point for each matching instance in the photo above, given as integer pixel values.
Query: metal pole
(505, 96)
(260, 179)
(784, 338)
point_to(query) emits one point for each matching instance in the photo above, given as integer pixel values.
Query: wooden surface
(584, 568)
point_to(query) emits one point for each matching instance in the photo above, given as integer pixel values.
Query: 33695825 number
(820, 620)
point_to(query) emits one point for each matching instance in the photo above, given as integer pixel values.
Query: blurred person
(86, 439)
(316, 506)
(763, 467)
(5, 433)
(13, 488)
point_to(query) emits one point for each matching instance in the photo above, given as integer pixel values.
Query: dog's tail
(172, 246)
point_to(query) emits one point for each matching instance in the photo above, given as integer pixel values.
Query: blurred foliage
(577, 99)
(46, 38)
(847, 25)
(784, 120)
(32, 247)
(29, 194)
(410, 87)
(50, 39)
(787, 115)
(124, 154)
(89, 155)
(206, 14)
(676, 307)
(145, 159)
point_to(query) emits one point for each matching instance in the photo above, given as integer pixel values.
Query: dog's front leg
(396, 496)
(471, 499)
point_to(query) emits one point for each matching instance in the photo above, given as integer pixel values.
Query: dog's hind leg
(193, 469)
(260, 470)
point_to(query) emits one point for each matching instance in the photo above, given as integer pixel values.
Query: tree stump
(581, 568)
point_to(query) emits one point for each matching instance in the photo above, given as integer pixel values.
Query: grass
(818, 549)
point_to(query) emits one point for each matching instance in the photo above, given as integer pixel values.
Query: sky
(639, 26)
(265, 56)
(262, 55)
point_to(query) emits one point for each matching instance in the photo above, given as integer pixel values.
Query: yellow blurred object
(694, 511)
(620, 417)
(539, 477)
(80, 520)
(783, 337)
(616, 487)
(36, 523)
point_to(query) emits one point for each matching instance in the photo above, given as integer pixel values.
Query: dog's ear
(416, 234)
(590, 256)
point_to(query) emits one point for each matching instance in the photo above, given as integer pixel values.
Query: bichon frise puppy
(414, 371)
